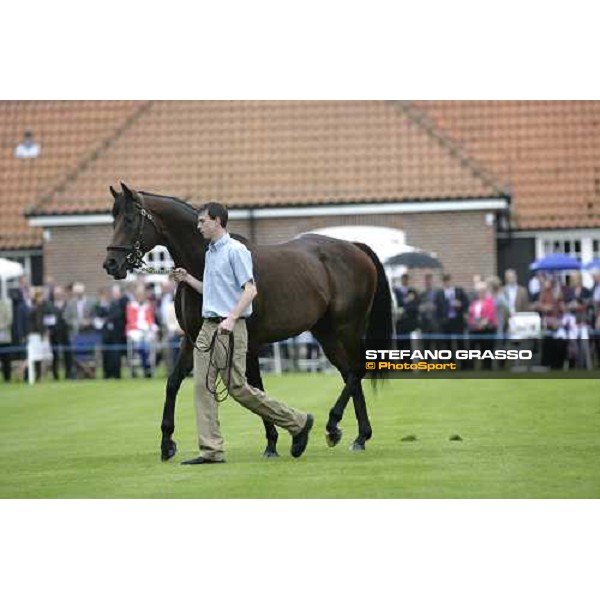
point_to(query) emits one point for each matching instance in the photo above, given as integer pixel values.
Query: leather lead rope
(220, 394)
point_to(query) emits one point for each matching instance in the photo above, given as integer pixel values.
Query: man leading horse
(228, 290)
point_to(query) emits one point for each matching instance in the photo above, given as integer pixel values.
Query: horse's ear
(126, 191)
(114, 192)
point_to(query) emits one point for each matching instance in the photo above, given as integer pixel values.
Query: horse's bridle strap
(135, 253)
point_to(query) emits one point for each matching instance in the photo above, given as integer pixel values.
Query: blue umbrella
(556, 262)
(595, 264)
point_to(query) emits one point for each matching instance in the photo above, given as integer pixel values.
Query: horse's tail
(380, 328)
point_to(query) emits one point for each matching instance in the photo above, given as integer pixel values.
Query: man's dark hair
(214, 210)
(446, 277)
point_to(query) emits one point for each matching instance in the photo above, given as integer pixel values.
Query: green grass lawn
(521, 439)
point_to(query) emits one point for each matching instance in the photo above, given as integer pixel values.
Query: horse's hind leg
(336, 354)
(365, 431)
(333, 433)
(344, 352)
(255, 380)
(183, 366)
(353, 346)
(352, 388)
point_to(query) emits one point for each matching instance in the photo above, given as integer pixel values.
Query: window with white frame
(159, 258)
(570, 246)
(583, 245)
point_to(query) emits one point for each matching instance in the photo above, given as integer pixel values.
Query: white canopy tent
(385, 241)
(9, 269)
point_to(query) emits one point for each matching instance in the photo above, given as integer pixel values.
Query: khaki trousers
(206, 369)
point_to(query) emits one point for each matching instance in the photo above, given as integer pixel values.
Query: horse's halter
(135, 253)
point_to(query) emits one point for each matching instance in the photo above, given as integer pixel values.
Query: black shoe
(300, 440)
(200, 460)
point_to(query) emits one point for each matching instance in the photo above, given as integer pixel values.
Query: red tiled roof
(548, 152)
(69, 132)
(257, 153)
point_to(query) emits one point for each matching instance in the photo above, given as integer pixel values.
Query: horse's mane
(183, 203)
(189, 206)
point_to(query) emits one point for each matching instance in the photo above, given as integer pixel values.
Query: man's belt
(219, 319)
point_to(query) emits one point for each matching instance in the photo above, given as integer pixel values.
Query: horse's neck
(183, 241)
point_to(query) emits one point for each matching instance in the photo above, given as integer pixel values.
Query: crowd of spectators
(124, 322)
(480, 317)
(134, 320)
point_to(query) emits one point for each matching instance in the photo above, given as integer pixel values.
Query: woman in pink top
(483, 321)
(482, 311)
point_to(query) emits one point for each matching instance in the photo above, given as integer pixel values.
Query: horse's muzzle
(112, 267)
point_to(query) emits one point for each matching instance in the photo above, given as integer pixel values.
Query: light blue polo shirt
(227, 268)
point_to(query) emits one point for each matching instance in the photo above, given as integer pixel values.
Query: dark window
(37, 270)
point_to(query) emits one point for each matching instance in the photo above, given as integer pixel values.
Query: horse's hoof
(333, 437)
(357, 447)
(169, 452)
(270, 454)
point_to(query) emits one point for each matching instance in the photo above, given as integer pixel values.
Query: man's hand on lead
(180, 275)
(227, 325)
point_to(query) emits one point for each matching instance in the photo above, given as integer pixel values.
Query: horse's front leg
(183, 366)
(255, 380)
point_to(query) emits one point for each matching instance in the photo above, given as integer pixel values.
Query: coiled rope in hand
(219, 337)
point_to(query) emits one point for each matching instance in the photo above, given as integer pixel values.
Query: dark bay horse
(337, 290)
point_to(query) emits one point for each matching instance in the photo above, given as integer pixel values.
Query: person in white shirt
(28, 148)
(171, 332)
(141, 327)
(535, 286)
(6, 318)
(565, 338)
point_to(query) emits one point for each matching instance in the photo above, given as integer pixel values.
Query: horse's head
(135, 233)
